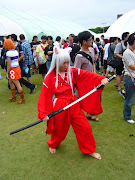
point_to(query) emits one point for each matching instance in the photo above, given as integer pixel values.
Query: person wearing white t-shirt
(129, 78)
(57, 42)
(106, 45)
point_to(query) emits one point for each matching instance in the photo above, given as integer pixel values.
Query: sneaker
(32, 90)
(121, 93)
(131, 121)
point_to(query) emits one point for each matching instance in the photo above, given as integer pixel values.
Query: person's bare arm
(94, 68)
(21, 57)
(104, 81)
(37, 58)
(78, 61)
(45, 119)
(33, 48)
(8, 66)
(132, 66)
(118, 55)
(50, 52)
(97, 56)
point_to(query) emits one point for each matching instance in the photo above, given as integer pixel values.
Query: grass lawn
(25, 155)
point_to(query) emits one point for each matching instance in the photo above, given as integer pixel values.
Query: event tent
(126, 23)
(8, 26)
(36, 24)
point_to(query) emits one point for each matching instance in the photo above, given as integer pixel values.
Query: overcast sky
(87, 13)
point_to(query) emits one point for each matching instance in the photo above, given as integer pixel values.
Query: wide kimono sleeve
(45, 104)
(86, 81)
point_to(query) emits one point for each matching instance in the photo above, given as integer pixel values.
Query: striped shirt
(13, 55)
(27, 52)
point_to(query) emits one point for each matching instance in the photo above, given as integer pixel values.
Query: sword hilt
(101, 85)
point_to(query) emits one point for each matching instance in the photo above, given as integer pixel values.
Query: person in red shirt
(66, 43)
(58, 91)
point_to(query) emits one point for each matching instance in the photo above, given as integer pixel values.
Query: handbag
(26, 69)
(41, 59)
(111, 61)
(118, 60)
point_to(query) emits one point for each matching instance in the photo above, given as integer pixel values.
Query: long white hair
(59, 57)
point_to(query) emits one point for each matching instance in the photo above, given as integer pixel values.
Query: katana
(63, 109)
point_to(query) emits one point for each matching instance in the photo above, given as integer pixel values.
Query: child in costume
(13, 71)
(58, 92)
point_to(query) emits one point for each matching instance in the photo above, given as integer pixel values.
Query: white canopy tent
(7, 26)
(126, 23)
(36, 24)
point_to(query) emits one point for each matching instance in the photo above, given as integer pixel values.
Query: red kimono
(52, 99)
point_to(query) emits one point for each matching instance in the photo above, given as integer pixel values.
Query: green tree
(99, 29)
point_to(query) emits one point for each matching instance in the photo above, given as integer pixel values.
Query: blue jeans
(129, 98)
(48, 63)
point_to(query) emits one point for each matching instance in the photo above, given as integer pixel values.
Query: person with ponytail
(58, 91)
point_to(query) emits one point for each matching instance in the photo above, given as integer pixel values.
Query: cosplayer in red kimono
(58, 92)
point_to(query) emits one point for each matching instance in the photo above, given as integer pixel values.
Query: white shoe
(0, 76)
(131, 121)
(123, 92)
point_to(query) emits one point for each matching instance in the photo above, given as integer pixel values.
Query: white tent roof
(126, 23)
(8, 26)
(36, 24)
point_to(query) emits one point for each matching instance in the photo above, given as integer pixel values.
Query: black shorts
(42, 69)
(105, 64)
(119, 70)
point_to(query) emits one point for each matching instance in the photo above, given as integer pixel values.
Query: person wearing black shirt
(101, 53)
(34, 44)
(49, 52)
(75, 48)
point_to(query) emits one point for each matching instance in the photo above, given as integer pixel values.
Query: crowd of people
(100, 55)
(70, 68)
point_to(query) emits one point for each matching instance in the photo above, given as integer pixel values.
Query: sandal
(92, 118)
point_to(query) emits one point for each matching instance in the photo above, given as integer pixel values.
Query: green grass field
(25, 155)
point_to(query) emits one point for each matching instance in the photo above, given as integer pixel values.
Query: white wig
(59, 57)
